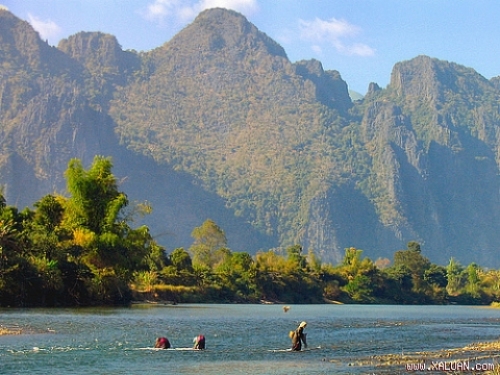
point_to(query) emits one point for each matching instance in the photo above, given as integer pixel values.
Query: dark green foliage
(95, 202)
(181, 260)
(436, 275)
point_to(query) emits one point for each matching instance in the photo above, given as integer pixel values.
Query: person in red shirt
(162, 343)
(199, 342)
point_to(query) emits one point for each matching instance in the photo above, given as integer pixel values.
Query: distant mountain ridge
(218, 123)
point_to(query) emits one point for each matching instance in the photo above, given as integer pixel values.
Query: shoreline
(478, 352)
(10, 331)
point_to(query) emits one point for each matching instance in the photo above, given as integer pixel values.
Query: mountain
(218, 123)
(355, 95)
(222, 102)
(54, 106)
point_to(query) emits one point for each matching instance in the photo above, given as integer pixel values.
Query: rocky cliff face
(44, 114)
(218, 123)
(430, 133)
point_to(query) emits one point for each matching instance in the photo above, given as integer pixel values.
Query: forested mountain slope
(218, 123)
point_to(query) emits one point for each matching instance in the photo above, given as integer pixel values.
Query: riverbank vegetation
(81, 250)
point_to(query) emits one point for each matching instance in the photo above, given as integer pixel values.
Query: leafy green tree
(95, 201)
(295, 257)
(202, 275)
(110, 247)
(360, 274)
(9, 251)
(454, 274)
(181, 259)
(436, 275)
(414, 246)
(18, 278)
(491, 282)
(241, 273)
(49, 213)
(208, 239)
(156, 258)
(360, 288)
(269, 275)
(402, 282)
(473, 280)
(415, 263)
(332, 279)
(351, 261)
(241, 262)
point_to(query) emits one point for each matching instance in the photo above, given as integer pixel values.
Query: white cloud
(334, 32)
(159, 9)
(360, 49)
(317, 49)
(47, 29)
(186, 11)
(320, 30)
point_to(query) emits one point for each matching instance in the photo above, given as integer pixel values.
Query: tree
(49, 213)
(413, 246)
(9, 250)
(181, 260)
(44, 230)
(15, 269)
(208, 238)
(95, 201)
(436, 275)
(491, 280)
(416, 264)
(111, 249)
(360, 274)
(313, 261)
(241, 262)
(454, 273)
(295, 256)
(351, 262)
(473, 279)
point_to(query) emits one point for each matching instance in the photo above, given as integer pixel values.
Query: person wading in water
(298, 337)
(162, 343)
(199, 342)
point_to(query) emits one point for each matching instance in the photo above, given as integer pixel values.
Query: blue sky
(362, 39)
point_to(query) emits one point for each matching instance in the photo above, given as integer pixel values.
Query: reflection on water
(241, 339)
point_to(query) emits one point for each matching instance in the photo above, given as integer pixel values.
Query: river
(241, 339)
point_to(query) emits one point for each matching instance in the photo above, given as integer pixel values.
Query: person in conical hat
(299, 337)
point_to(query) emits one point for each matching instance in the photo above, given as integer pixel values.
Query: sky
(362, 39)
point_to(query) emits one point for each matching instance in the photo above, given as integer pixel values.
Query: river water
(241, 339)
